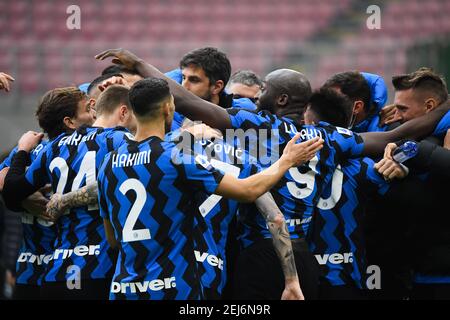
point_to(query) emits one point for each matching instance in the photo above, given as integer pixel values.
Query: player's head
(284, 90)
(152, 101)
(93, 91)
(244, 84)
(113, 104)
(353, 85)
(130, 76)
(418, 93)
(330, 106)
(206, 72)
(63, 110)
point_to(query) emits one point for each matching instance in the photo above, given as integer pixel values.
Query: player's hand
(4, 81)
(447, 140)
(120, 56)
(390, 169)
(29, 140)
(292, 291)
(299, 153)
(203, 131)
(387, 115)
(390, 147)
(35, 204)
(112, 81)
(55, 207)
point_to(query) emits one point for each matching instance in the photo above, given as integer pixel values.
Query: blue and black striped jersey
(337, 238)
(38, 237)
(217, 213)
(70, 162)
(146, 190)
(298, 192)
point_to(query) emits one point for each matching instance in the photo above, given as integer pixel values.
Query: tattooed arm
(283, 246)
(81, 197)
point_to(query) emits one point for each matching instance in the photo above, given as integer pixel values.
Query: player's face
(408, 105)
(243, 91)
(266, 97)
(196, 81)
(84, 114)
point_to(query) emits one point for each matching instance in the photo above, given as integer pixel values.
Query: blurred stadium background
(318, 38)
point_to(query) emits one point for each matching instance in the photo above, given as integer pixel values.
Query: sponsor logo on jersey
(335, 258)
(135, 287)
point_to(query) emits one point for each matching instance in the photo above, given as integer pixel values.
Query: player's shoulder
(337, 133)
(117, 131)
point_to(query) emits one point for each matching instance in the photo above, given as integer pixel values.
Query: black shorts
(26, 292)
(258, 274)
(97, 289)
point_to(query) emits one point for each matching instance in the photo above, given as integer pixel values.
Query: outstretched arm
(282, 244)
(416, 129)
(186, 103)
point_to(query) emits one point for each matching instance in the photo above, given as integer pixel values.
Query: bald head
(287, 89)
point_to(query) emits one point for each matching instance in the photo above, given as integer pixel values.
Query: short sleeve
(198, 172)
(245, 119)
(37, 174)
(347, 143)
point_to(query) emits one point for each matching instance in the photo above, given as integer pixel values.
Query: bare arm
(282, 244)
(249, 189)
(416, 129)
(186, 103)
(84, 196)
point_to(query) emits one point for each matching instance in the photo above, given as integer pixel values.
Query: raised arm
(282, 244)
(186, 103)
(416, 129)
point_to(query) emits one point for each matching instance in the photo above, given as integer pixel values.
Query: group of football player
(205, 185)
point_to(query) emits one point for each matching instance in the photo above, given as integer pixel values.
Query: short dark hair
(97, 81)
(423, 79)
(246, 77)
(331, 106)
(214, 63)
(113, 97)
(146, 96)
(353, 85)
(117, 68)
(54, 106)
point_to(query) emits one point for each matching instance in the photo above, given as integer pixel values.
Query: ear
(123, 112)
(430, 104)
(283, 99)
(218, 86)
(68, 122)
(358, 107)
